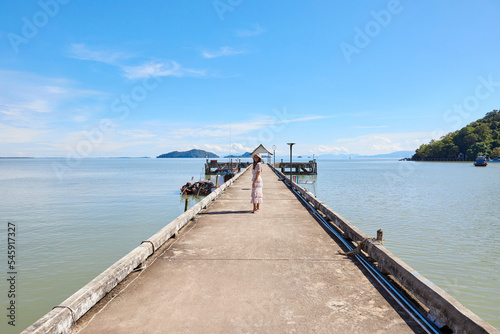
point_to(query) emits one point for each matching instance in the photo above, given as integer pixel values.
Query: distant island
(244, 155)
(194, 153)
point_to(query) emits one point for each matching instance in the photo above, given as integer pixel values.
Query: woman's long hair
(255, 163)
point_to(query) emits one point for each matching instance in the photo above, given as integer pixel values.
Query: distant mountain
(129, 158)
(393, 155)
(189, 154)
(244, 155)
(337, 156)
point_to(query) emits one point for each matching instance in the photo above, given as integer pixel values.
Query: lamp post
(291, 144)
(274, 156)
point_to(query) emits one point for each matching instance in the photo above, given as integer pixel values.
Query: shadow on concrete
(226, 212)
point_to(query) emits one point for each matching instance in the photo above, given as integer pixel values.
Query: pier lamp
(274, 155)
(291, 144)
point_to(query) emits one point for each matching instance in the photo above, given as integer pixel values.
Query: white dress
(257, 191)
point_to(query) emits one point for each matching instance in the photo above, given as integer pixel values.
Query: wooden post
(291, 144)
(186, 204)
(380, 236)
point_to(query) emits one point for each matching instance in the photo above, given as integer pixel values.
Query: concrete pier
(298, 168)
(213, 167)
(231, 271)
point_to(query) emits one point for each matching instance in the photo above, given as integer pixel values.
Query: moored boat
(480, 161)
(197, 188)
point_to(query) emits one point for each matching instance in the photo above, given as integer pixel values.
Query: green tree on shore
(495, 153)
(479, 137)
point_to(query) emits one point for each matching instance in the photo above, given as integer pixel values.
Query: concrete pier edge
(62, 318)
(443, 308)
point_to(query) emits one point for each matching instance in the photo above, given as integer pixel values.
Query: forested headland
(481, 137)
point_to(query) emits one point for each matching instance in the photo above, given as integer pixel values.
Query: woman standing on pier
(257, 182)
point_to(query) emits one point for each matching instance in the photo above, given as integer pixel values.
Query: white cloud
(222, 138)
(241, 148)
(165, 68)
(329, 149)
(37, 105)
(21, 110)
(56, 90)
(161, 69)
(223, 51)
(26, 94)
(237, 129)
(83, 52)
(234, 148)
(92, 142)
(11, 134)
(210, 148)
(219, 130)
(257, 30)
(385, 143)
(136, 134)
(30, 105)
(302, 119)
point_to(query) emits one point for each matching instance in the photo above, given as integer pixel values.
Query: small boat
(197, 188)
(227, 171)
(480, 161)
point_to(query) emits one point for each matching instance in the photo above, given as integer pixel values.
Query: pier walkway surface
(232, 271)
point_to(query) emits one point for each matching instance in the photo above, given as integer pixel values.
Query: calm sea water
(443, 219)
(71, 227)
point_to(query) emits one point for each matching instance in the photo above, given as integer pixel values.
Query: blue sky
(129, 78)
